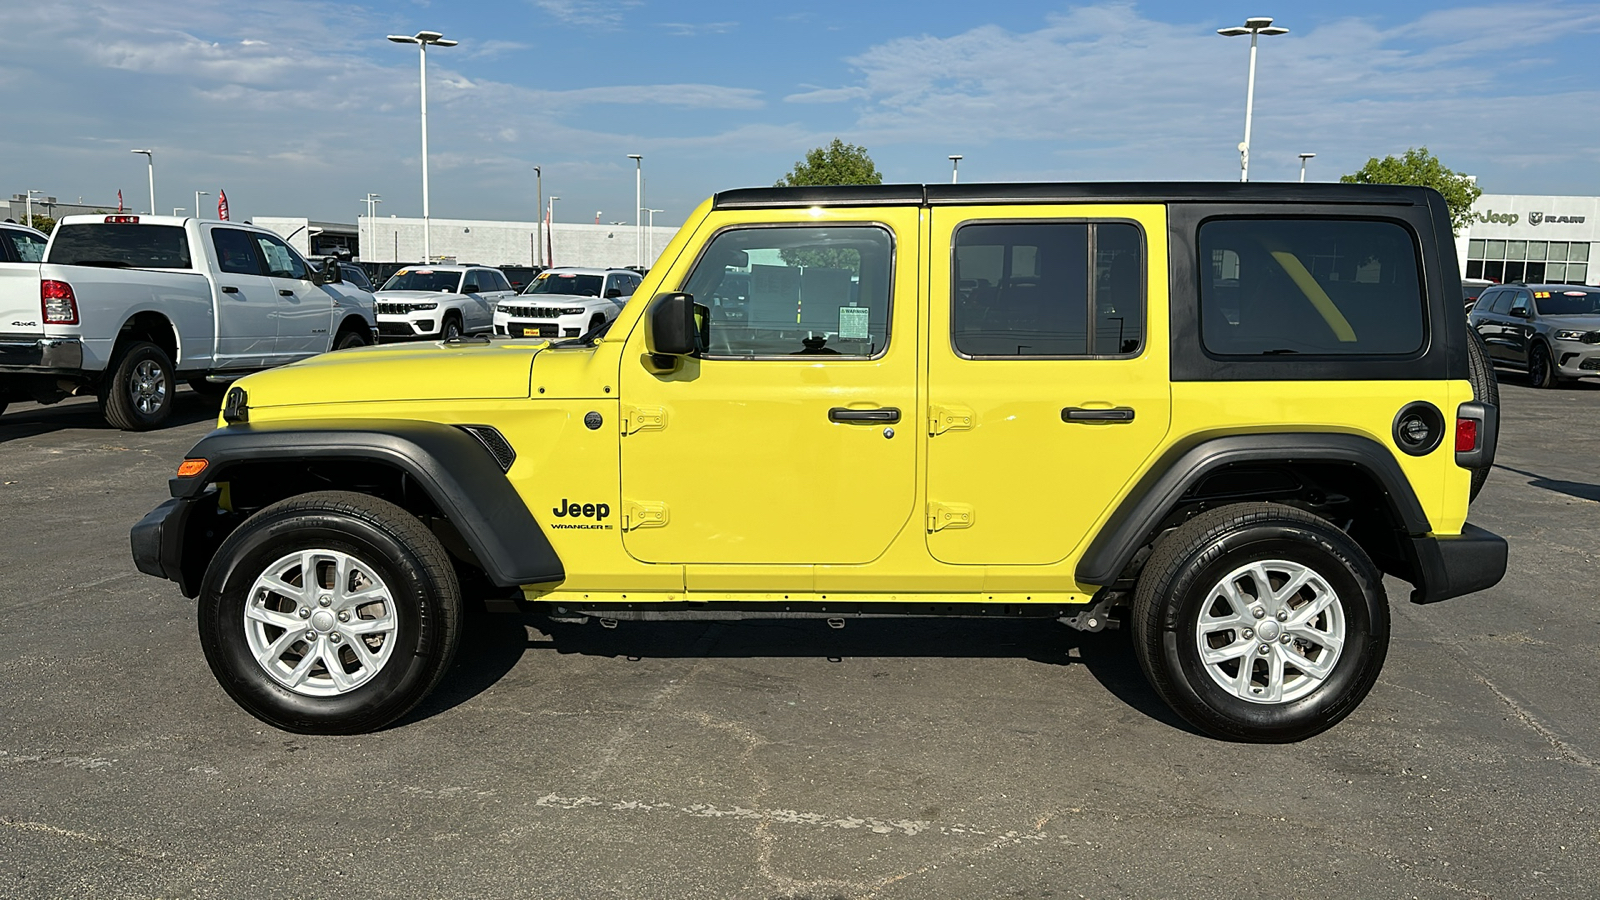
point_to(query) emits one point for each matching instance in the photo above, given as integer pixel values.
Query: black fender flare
(1158, 491)
(457, 472)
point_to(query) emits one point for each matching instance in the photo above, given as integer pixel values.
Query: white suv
(566, 302)
(443, 301)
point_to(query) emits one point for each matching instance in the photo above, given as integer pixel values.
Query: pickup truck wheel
(1259, 622)
(330, 613)
(1485, 390)
(138, 395)
(351, 338)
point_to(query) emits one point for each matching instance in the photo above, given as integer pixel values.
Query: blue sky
(301, 107)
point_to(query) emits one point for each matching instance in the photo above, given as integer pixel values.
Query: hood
(427, 371)
(554, 299)
(414, 296)
(1587, 322)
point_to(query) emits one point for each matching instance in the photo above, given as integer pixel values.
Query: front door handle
(888, 414)
(284, 292)
(1115, 416)
(230, 290)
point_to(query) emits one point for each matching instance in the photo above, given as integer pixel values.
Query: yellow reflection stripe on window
(1319, 298)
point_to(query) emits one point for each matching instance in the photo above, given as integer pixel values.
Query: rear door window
(1502, 303)
(236, 252)
(1271, 287)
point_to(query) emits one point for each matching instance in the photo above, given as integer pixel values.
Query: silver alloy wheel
(148, 387)
(324, 635)
(1270, 631)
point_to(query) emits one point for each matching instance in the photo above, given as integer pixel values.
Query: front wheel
(451, 330)
(330, 613)
(1259, 622)
(1541, 371)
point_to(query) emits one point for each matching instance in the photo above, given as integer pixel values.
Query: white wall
(396, 239)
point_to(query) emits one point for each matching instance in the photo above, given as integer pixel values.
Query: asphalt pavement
(890, 759)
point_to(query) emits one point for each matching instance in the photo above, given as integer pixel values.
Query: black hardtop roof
(1062, 192)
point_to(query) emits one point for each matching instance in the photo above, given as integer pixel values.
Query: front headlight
(1565, 335)
(421, 306)
(573, 311)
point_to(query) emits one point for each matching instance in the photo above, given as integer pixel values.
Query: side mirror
(470, 289)
(1520, 312)
(613, 294)
(328, 274)
(673, 330)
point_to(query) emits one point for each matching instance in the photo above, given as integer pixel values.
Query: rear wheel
(138, 394)
(1541, 371)
(351, 338)
(1259, 622)
(1485, 390)
(330, 613)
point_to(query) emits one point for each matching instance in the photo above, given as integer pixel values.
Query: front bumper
(406, 327)
(1455, 565)
(564, 327)
(30, 355)
(1576, 358)
(181, 528)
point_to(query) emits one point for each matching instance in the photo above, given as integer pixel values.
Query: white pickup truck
(124, 306)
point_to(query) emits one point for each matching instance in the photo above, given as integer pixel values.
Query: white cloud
(588, 13)
(829, 95)
(694, 29)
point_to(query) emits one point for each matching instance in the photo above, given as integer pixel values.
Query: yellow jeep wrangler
(1217, 412)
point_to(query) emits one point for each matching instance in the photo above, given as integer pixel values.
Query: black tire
(137, 396)
(210, 390)
(403, 555)
(351, 337)
(1180, 580)
(1541, 370)
(450, 328)
(1485, 390)
(595, 321)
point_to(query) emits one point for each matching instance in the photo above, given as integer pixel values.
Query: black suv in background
(1552, 330)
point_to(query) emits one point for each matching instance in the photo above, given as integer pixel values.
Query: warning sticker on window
(854, 323)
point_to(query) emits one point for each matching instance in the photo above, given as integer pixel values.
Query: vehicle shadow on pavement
(83, 413)
(494, 642)
(1581, 490)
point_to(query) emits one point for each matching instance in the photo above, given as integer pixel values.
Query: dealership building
(1532, 238)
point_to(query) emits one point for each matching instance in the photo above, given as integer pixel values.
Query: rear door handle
(282, 292)
(1115, 416)
(887, 414)
(230, 290)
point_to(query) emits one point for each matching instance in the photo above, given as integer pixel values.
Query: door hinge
(638, 514)
(949, 418)
(643, 418)
(949, 515)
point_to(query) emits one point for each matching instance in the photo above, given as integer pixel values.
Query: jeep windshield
(423, 280)
(1569, 303)
(567, 283)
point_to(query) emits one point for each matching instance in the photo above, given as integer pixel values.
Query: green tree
(1420, 167)
(837, 163)
(43, 223)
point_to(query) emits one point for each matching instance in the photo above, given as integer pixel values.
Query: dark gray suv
(1553, 330)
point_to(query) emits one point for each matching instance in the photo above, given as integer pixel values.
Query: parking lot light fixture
(638, 205)
(371, 200)
(422, 39)
(150, 158)
(197, 206)
(538, 178)
(1253, 26)
(550, 220)
(1303, 158)
(650, 237)
(955, 163)
(28, 214)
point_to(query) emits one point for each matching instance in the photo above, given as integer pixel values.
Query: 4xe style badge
(566, 509)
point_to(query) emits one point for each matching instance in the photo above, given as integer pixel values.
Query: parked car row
(448, 301)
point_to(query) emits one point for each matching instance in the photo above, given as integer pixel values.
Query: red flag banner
(119, 200)
(222, 204)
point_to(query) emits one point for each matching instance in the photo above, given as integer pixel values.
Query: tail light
(1466, 435)
(1477, 433)
(122, 220)
(57, 303)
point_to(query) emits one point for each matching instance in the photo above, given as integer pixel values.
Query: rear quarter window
(1282, 287)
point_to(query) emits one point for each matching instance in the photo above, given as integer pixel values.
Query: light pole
(422, 39)
(1303, 158)
(550, 235)
(955, 161)
(28, 216)
(177, 210)
(638, 205)
(1253, 26)
(150, 157)
(372, 201)
(197, 196)
(538, 177)
(650, 237)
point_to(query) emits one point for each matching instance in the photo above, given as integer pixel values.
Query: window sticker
(854, 323)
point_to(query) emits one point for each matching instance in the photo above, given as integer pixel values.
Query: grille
(397, 309)
(531, 312)
(494, 442)
(1592, 364)
(1592, 337)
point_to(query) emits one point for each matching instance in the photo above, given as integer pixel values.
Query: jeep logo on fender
(567, 509)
